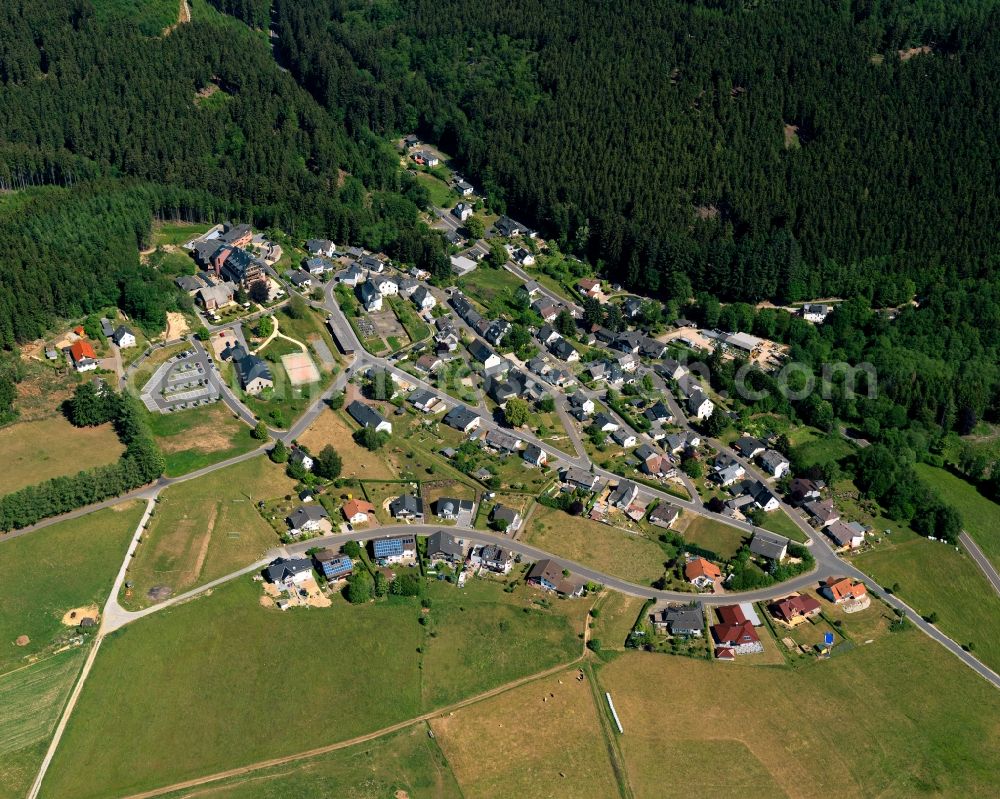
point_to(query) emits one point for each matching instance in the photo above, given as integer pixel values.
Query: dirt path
(183, 16)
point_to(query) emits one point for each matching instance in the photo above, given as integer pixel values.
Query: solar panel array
(387, 547)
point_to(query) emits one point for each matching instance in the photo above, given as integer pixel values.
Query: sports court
(300, 368)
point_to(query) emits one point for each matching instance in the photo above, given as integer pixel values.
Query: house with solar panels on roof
(397, 550)
(332, 565)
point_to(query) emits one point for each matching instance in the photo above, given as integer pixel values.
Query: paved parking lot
(185, 381)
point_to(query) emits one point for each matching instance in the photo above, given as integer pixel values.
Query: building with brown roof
(793, 610)
(843, 589)
(734, 631)
(357, 511)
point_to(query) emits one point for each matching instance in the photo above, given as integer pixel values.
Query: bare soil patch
(73, 617)
(906, 55)
(158, 593)
(22, 640)
(177, 326)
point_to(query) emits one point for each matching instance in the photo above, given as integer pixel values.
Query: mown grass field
(980, 516)
(31, 699)
(898, 718)
(777, 521)
(409, 761)
(934, 578)
(811, 447)
(542, 739)
(51, 571)
(175, 233)
(45, 448)
(347, 670)
(204, 529)
(198, 437)
(720, 538)
(608, 549)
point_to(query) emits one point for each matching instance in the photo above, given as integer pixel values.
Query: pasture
(630, 556)
(39, 450)
(32, 698)
(549, 734)
(53, 570)
(616, 615)
(907, 736)
(980, 516)
(407, 762)
(198, 437)
(203, 529)
(352, 670)
(934, 578)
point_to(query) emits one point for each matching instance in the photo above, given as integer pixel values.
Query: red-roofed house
(843, 589)
(793, 610)
(702, 573)
(83, 355)
(589, 287)
(357, 511)
(735, 632)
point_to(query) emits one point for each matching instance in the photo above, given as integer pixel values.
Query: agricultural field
(907, 738)
(407, 763)
(219, 653)
(38, 450)
(632, 557)
(616, 615)
(332, 427)
(934, 578)
(50, 572)
(32, 698)
(550, 737)
(980, 516)
(204, 529)
(720, 538)
(199, 437)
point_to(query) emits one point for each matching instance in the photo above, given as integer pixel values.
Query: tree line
(141, 463)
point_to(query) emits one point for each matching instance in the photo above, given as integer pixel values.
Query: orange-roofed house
(843, 589)
(702, 573)
(793, 610)
(83, 355)
(79, 330)
(357, 511)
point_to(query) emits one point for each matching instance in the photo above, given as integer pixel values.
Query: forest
(104, 130)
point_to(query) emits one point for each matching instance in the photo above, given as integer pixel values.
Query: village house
(308, 519)
(769, 545)
(843, 590)
(323, 247)
(664, 515)
(534, 455)
(589, 287)
(671, 369)
(423, 298)
(815, 313)
(687, 621)
(774, 463)
(393, 551)
(407, 507)
(462, 211)
(289, 572)
(793, 610)
(454, 509)
(332, 565)
(702, 573)
(583, 403)
(425, 401)
(123, 337)
(367, 416)
(83, 355)
(493, 558)
(734, 634)
(463, 419)
(802, 490)
(254, 374)
(605, 423)
(823, 512)
(845, 536)
(624, 494)
(351, 276)
(501, 442)
(428, 363)
(549, 575)
(580, 478)
(749, 447)
(445, 548)
(370, 296)
(508, 518)
(358, 511)
(623, 438)
(545, 308)
(299, 457)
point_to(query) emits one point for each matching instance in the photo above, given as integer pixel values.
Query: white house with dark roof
(367, 416)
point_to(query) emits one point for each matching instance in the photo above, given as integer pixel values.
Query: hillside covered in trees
(103, 129)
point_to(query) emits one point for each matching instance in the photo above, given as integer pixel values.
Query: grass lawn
(812, 448)
(549, 733)
(486, 284)
(49, 572)
(777, 521)
(177, 233)
(198, 437)
(484, 637)
(204, 529)
(440, 193)
(934, 578)
(433, 490)
(409, 762)
(237, 661)
(617, 614)
(416, 328)
(980, 516)
(632, 557)
(32, 699)
(52, 447)
(722, 539)
(908, 737)
(380, 494)
(331, 427)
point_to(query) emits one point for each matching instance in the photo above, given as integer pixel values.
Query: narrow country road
(981, 560)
